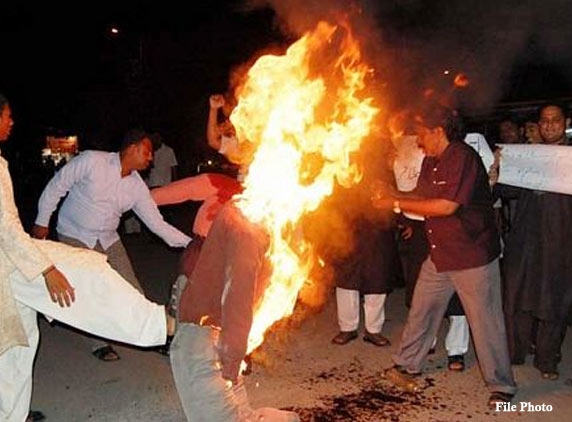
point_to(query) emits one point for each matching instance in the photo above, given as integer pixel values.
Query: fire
(461, 80)
(302, 115)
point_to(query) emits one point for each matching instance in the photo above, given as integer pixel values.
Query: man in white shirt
(100, 187)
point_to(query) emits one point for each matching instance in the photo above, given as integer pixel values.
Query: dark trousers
(523, 330)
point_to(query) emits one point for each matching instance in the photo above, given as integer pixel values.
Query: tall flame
(303, 117)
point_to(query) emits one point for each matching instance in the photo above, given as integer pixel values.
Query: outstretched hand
(382, 195)
(59, 288)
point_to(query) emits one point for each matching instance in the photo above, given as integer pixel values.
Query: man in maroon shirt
(453, 194)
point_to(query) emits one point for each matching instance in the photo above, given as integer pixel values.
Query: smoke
(419, 44)
(465, 51)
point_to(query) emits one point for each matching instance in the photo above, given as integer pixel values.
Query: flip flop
(106, 354)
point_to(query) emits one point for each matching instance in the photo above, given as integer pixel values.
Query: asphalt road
(297, 368)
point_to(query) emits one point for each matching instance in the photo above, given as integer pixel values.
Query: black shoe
(376, 339)
(498, 398)
(35, 416)
(165, 349)
(344, 337)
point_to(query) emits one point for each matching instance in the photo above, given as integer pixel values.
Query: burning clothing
(215, 317)
(226, 284)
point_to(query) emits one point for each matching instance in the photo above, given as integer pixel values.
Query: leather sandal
(550, 375)
(376, 339)
(106, 354)
(344, 337)
(399, 377)
(456, 363)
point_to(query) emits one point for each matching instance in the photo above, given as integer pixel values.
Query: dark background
(65, 72)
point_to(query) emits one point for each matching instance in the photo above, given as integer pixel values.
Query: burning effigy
(300, 121)
(304, 120)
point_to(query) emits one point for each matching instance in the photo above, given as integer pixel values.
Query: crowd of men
(442, 236)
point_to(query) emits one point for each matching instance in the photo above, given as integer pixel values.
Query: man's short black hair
(133, 137)
(507, 117)
(432, 115)
(556, 104)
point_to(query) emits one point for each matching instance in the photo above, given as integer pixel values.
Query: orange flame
(461, 80)
(302, 116)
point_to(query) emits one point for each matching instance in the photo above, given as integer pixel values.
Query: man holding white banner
(537, 256)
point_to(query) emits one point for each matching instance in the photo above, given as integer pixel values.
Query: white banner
(537, 166)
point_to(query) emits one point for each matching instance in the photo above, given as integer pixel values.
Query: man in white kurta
(74, 286)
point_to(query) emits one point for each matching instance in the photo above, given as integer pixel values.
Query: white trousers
(348, 302)
(16, 371)
(106, 305)
(458, 336)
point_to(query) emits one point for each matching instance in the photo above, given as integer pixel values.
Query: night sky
(64, 71)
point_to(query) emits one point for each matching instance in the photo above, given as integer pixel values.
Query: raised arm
(213, 134)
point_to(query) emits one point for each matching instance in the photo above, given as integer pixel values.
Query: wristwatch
(396, 207)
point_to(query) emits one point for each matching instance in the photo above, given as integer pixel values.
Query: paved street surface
(297, 368)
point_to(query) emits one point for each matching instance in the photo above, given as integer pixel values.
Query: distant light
(114, 30)
(445, 72)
